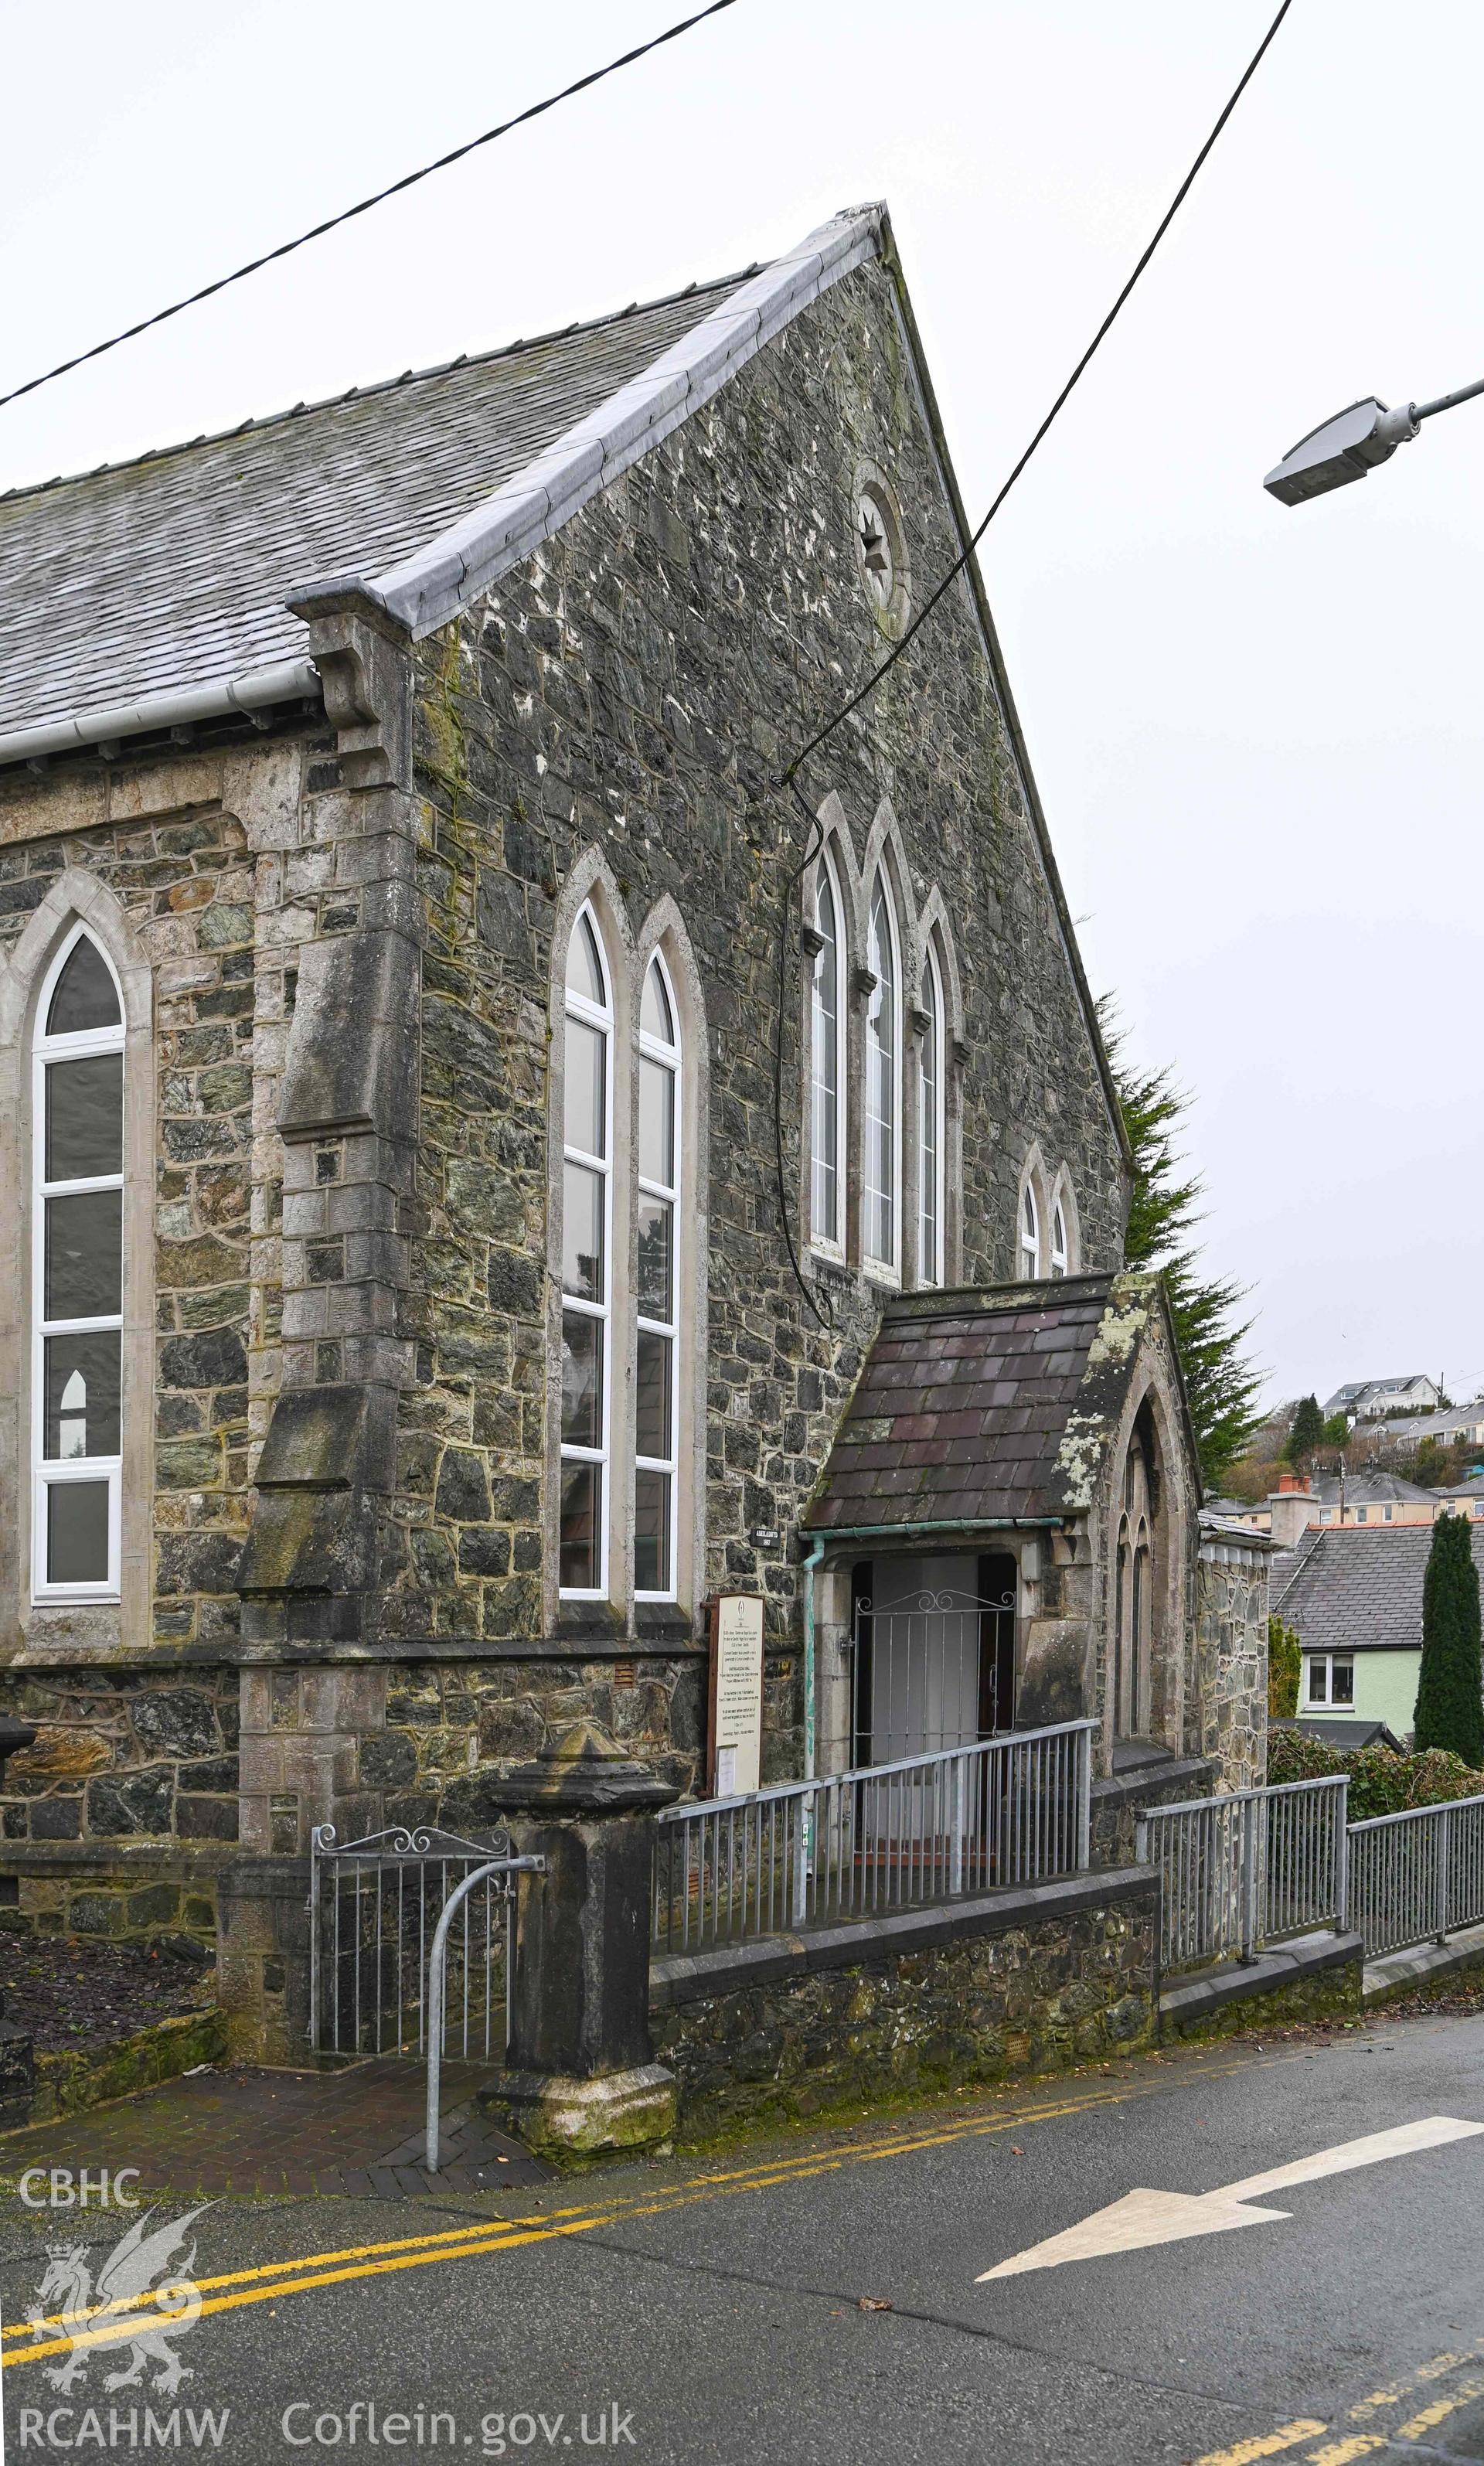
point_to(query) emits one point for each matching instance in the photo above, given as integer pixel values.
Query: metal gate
(374, 1907)
(927, 1674)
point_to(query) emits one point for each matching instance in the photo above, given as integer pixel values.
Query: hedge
(1381, 1783)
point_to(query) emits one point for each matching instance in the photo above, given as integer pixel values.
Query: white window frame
(1325, 1703)
(45, 1476)
(931, 1249)
(1060, 1249)
(831, 1244)
(671, 1058)
(1028, 1242)
(887, 1266)
(576, 1005)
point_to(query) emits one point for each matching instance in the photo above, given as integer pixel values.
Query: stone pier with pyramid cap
(582, 2077)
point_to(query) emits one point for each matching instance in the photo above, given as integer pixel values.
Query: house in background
(1366, 1498)
(1371, 1400)
(1461, 1424)
(1354, 1597)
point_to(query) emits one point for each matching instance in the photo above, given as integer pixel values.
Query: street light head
(1343, 449)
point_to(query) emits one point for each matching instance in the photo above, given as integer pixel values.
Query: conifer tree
(1308, 1430)
(1449, 1704)
(1219, 1382)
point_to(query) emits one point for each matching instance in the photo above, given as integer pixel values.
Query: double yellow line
(110, 2323)
(1339, 2447)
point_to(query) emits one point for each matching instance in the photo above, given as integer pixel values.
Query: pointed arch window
(828, 1090)
(882, 1184)
(77, 1276)
(587, 1261)
(1031, 1236)
(1059, 1251)
(931, 1129)
(656, 1394)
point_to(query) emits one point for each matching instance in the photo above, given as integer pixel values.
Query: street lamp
(1352, 443)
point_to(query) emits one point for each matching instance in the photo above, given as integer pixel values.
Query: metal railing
(375, 1906)
(1013, 1810)
(1416, 1876)
(1246, 1867)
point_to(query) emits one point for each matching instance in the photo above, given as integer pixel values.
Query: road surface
(825, 2297)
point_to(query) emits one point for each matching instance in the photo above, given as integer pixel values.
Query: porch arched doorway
(933, 1654)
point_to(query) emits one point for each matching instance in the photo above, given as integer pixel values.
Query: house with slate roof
(487, 1170)
(1354, 1597)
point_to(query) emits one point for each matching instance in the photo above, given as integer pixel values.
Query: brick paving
(249, 2131)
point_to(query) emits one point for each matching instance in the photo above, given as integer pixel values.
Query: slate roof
(1359, 1587)
(961, 1408)
(1371, 1489)
(173, 571)
(1333, 1730)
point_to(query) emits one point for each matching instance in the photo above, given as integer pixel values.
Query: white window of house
(930, 1131)
(827, 1093)
(1031, 1236)
(883, 1087)
(1057, 1240)
(1360, 1515)
(1328, 1678)
(1385, 1515)
(657, 1399)
(77, 1276)
(587, 1261)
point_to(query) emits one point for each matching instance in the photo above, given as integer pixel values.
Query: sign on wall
(736, 1725)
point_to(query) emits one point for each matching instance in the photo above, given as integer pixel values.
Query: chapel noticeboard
(736, 1723)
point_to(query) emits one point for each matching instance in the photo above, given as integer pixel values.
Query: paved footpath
(825, 2295)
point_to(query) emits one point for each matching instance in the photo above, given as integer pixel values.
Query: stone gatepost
(583, 2078)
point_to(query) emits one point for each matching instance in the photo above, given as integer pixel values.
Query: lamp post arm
(1446, 401)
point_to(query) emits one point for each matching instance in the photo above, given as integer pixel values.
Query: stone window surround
(917, 927)
(599, 1018)
(830, 1245)
(1048, 1193)
(590, 882)
(873, 485)
(46, 1052)
(930, 1020)
(1163, 1687)
(78, 898)
(885, 1266)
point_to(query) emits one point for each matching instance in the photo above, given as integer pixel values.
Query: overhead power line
(789, 776)
(865, 691)
(209, 290)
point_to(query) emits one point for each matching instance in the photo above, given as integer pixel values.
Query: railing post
(1248, 1835)
(956, 1828)
(804, 1826)
(1084, 1801)
(1441, 1850)
(1342, 1858)
(314, 1935)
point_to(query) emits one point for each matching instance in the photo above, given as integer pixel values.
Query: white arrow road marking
(1142, 2218)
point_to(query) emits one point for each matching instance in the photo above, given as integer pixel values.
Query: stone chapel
(487, 1167)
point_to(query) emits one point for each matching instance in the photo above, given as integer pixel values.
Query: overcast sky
(1257, 733)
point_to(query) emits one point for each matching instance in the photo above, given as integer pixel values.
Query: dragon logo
(132, 2303)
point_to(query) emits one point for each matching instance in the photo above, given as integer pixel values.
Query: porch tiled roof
(963, 1408)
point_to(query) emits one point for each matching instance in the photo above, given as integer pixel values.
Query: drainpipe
(813, 1557)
